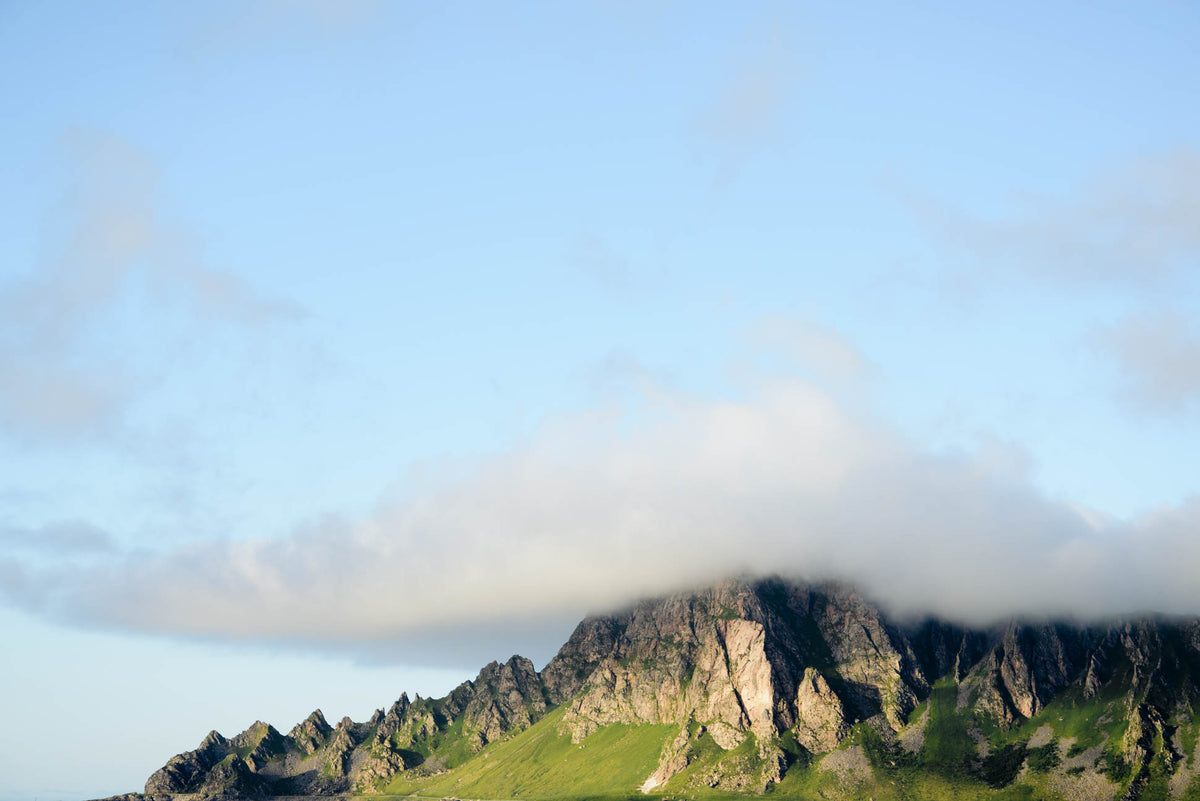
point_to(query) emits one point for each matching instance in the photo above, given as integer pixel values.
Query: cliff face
(770, 670)
(503, 698)
(738, 654)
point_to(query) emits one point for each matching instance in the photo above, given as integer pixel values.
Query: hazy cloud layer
(1159, 355)
(254, 23)
(601, 263)
(745, 113)
(605, 507)
(1133, 225)
(61, 538)
(1128, 234)
(812, 348)
(111, 249)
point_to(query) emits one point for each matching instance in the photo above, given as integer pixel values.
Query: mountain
(798, 690)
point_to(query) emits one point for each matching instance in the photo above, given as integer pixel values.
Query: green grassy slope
(540, 763)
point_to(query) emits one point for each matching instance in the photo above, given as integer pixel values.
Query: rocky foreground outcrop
(750, 664)
(317, 758)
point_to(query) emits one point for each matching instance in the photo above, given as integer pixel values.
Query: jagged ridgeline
(802, 691)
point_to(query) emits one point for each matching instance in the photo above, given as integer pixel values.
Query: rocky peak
(252, 736)
(593, 640)
(213, 740)
(311, 733)
(253, 733)
(822, 718)
(504, 697)
(316, 720)
(262, 742)
(213, 769)
(340, 747)
(395, 718)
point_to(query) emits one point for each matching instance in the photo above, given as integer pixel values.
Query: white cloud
(597, 511)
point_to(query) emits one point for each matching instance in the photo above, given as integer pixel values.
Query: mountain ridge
(762, 683)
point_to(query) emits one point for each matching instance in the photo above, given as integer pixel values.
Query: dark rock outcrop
(311, 733)
(187, 772)
(504, 697)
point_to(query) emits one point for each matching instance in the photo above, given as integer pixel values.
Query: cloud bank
(605, 507)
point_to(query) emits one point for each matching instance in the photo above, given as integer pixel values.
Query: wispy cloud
(746, 113)
(61, 538)
(115, 245)
(601, 262)
(1126, 238)
(251, 23)
(599, 509)
(1159, 358)
(813, 349)
(1132, 225)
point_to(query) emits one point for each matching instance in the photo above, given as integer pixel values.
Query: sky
(347, 346)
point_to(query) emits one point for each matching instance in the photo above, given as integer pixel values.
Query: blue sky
(346, 346)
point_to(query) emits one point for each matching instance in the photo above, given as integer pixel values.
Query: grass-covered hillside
(542, 763)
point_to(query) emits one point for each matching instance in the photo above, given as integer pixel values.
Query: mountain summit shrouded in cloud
(805, 690)
(599, 509)
(349, 346)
